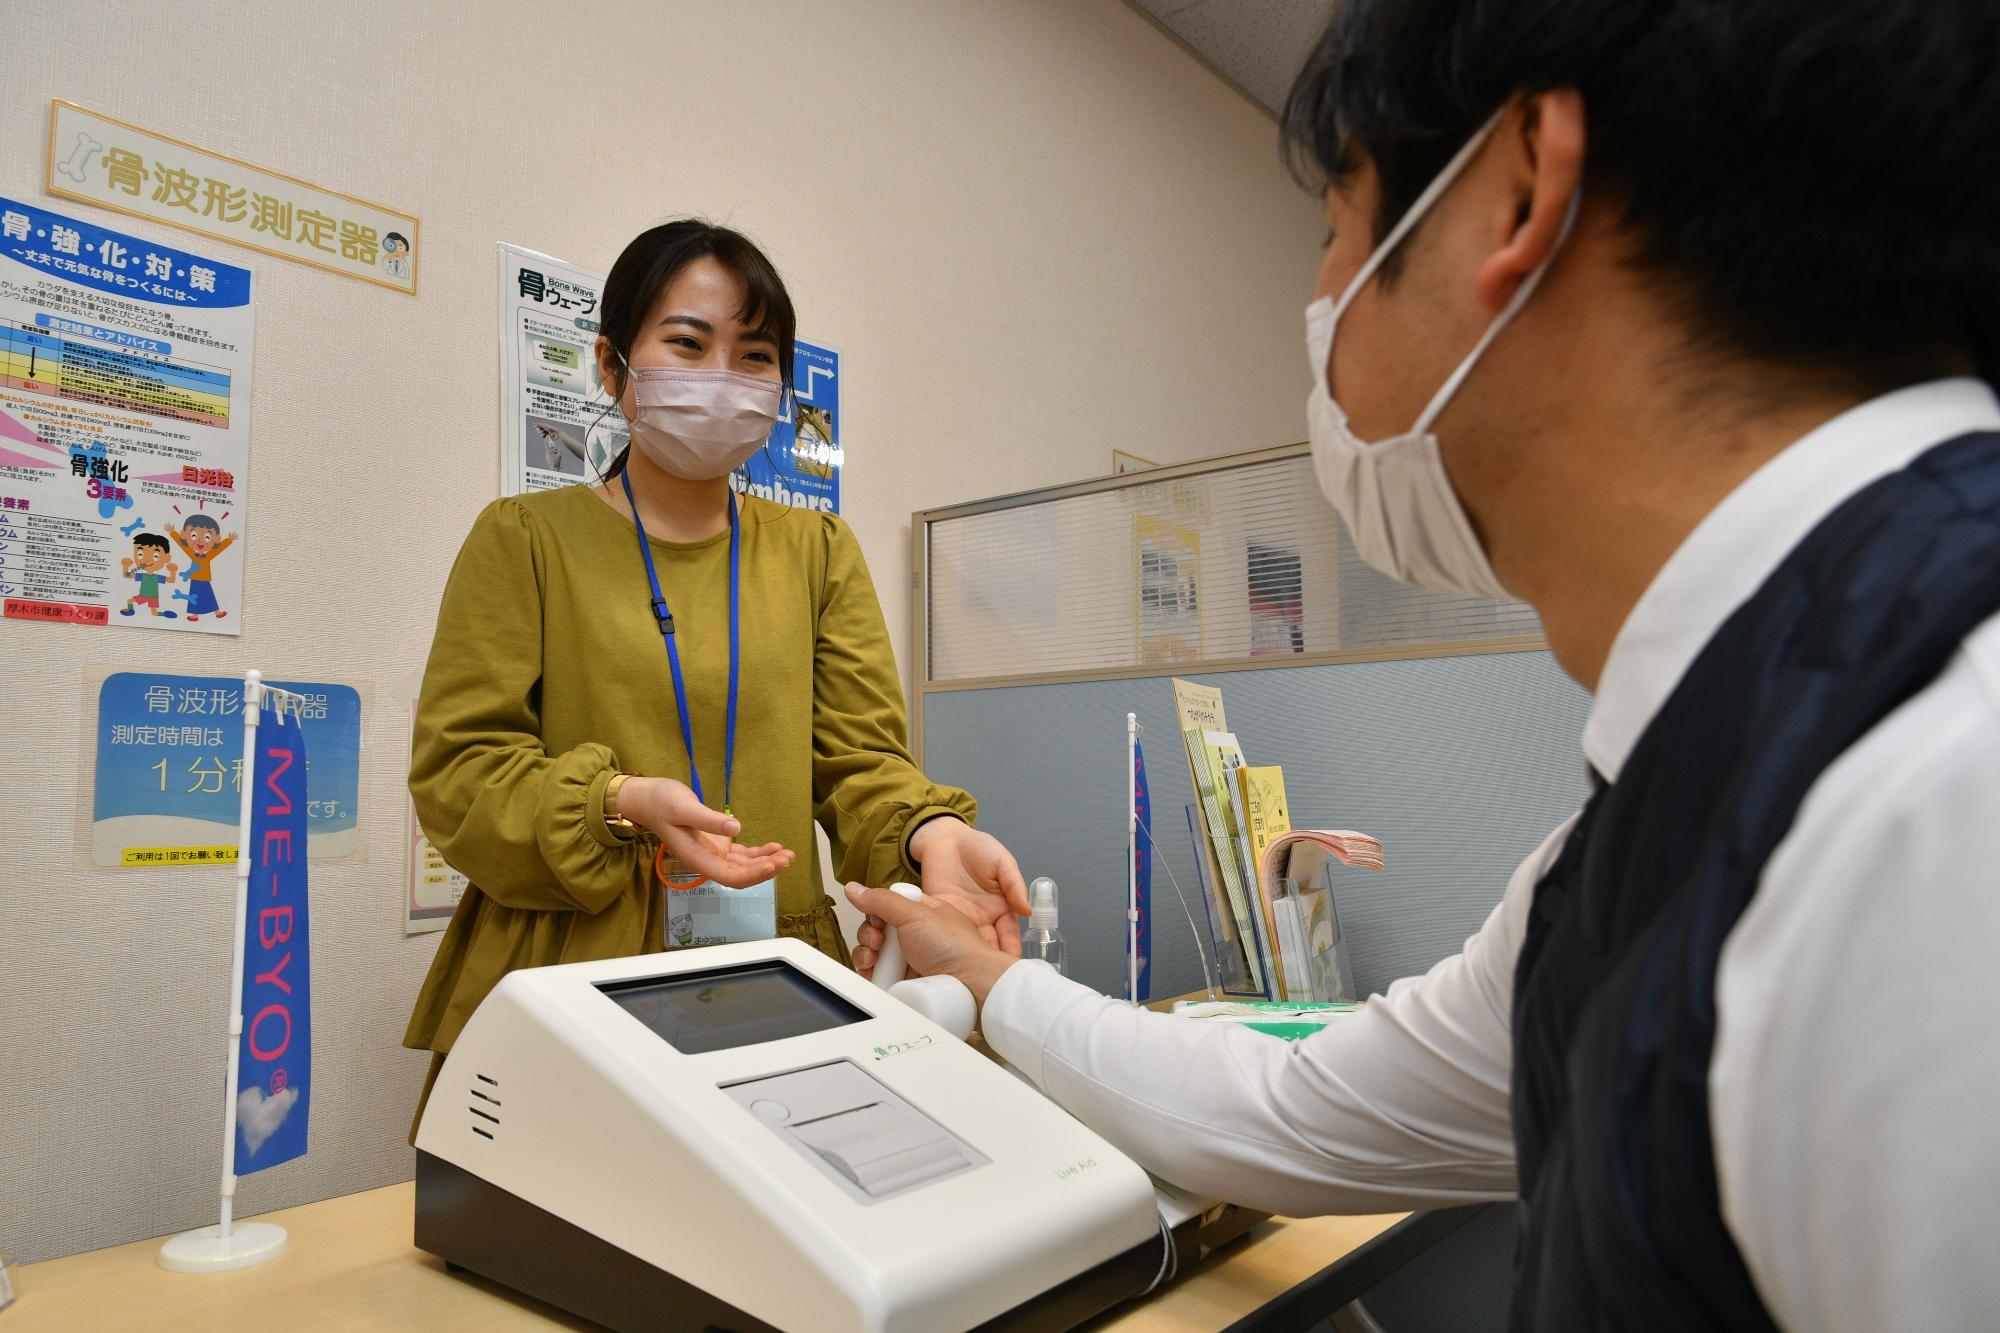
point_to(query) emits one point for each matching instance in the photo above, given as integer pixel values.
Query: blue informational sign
(801, 464)
(170, 768)
(274, 1054)
(83, 253)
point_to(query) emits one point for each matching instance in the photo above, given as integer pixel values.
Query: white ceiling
(1258, 45)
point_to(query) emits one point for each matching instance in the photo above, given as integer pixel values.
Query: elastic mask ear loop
(790, 395)
(1415, 213)
(1500, 321)
(611, 405)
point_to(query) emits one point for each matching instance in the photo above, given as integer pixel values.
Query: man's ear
(1542, 140)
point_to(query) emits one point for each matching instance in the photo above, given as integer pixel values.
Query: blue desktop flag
(274, 1059)
(1142, 805)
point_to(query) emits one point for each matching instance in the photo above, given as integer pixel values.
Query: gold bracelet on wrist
(614, 820)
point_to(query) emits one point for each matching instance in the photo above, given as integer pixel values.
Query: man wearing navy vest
(1676, 319)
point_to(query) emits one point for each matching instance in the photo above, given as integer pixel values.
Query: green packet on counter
(1286, 1019)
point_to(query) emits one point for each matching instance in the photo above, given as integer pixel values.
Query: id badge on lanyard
(708, 914)
(700, 911)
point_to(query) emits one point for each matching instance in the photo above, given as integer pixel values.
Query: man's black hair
(150, 539)
(1816, 181)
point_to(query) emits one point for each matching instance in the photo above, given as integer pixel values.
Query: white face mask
(1393, 495)
(701, 424)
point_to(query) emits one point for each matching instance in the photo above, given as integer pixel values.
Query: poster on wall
(434, 887)
(168, 774)
(559, 427)
(800, 464)
(1169, 559)
(431, 887)
(1276, 593)
(124, 428)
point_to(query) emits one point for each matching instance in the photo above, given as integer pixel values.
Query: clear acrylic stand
(1232, 965)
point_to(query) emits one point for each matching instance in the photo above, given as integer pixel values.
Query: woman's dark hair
(1817, 180)
(655, 258)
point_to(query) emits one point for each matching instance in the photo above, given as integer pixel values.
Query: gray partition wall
(1460, 765)
(1439, 725)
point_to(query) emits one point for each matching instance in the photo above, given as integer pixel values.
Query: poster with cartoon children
(200, 538)
(150, 565)
(124, 428)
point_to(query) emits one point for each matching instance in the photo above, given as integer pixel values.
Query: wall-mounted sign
(167, 782)
(107, 162)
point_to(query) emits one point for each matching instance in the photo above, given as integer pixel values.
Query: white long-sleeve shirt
(1854, 1088)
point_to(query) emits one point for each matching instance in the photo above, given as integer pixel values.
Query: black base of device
(473, 1224)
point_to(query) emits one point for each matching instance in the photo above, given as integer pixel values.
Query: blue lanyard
(665, 618)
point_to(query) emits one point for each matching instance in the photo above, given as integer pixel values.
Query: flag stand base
(207, 1250)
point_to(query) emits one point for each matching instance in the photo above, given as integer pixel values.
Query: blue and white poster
(274, 1054)
(557, 425)
(124, 428)
(800, 465)
(170, 769)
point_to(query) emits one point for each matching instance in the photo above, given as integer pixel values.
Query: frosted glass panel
(1241, 563)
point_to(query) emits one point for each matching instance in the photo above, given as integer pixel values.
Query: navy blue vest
(1614, 993)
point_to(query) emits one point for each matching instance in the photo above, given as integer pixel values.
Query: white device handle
(942, 999)
(891, 966)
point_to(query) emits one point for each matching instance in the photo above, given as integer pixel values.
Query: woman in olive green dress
(550, 759)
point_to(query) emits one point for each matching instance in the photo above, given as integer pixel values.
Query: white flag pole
(1132, 857)
(227, 1244)
(253, 708)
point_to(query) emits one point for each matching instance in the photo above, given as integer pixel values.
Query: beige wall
(1035, 229)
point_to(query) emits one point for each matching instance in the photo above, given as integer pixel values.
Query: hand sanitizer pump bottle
(1043, 938)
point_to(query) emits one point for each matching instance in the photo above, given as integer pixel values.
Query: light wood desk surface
(351, 1266)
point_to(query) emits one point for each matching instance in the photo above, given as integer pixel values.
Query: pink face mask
(701, 424)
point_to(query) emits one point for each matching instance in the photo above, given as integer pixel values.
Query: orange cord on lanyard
(681, 883)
